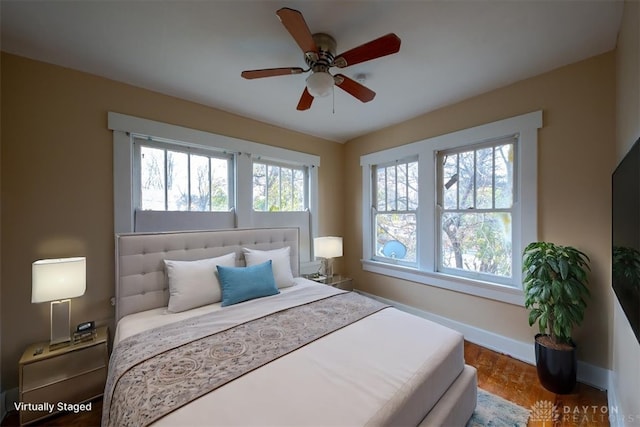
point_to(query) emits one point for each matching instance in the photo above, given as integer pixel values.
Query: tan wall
(626, 350)
(2, 399)
(57, 183)
(575, 162)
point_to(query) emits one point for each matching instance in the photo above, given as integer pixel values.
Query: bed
(354, 362)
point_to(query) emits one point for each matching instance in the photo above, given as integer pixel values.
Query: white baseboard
(612, 399)
(587, 373)
(594, 375)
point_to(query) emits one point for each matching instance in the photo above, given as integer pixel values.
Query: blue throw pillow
(240, 284)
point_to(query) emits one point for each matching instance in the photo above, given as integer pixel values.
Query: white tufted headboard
(140, 277)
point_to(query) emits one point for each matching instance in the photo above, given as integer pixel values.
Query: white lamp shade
(56, 279)
(319, 84)
(327, 247)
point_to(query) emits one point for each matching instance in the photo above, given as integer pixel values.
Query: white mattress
(390, 368)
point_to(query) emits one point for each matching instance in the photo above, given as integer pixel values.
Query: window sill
(458, 284)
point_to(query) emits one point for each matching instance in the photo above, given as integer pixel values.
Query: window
(278, 188)
(475, 211)
(455, 211)
(173, 178)
(169, 178)
(394, 211)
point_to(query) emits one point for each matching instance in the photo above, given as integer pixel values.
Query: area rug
(495, 411)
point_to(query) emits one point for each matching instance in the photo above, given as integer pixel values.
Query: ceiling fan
(320, 55)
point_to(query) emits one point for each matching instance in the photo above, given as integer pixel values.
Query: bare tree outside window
(476, 201)
(173, 180)
(278, 188)
(152, 178)
(396, 203)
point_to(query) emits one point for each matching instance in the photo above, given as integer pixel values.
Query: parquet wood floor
(499, 374)
(518, 382)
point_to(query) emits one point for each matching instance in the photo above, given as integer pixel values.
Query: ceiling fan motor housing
(323, 59)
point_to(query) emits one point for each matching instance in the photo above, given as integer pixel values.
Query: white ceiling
(195, 50)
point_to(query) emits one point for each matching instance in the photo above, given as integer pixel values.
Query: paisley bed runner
(156, 386)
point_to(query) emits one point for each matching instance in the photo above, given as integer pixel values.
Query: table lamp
(58, 280)
(327, 248)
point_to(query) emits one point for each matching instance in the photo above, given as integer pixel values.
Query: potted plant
(555, 279)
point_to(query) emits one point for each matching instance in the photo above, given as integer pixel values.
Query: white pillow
(280, 263)
(195, 283)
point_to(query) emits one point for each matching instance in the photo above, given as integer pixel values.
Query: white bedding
(145, 320)
(387, 369)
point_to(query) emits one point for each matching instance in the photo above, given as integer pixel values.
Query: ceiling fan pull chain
(333, 98)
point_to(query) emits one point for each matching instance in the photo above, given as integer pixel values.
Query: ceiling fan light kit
(320, 55)
(320, 84)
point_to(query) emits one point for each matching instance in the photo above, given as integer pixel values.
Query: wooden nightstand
(66, 375)
(337, 281)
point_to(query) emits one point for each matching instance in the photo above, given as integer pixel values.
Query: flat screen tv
(625, 269)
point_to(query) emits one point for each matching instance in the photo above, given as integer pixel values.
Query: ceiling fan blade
(382, 46)
(294, 22)
(305, 101)
(354, 88)
(270, 72)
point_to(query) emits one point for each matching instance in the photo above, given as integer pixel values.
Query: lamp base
(327, 267)
(60, 323)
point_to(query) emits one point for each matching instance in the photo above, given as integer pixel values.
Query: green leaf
(564, 268)
(542, 320)
(556, 289)
(533, 316)
(545, 294)
(572, 292)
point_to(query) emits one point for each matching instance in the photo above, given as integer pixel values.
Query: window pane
(298, 190)
(152, 178)
(450, 180)
(273, 188)
(286, 189)
(199, 175)
(504, 176)
(484, 178)
(412, 185)
(178, 181)
(477, 242)
(391, 188)
(396, 236)
(381, 188)
(259, 187)
(219, 184)
(401, 177)
(397, 187)
(466, 187)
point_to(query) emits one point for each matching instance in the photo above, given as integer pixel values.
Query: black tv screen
(626, 236)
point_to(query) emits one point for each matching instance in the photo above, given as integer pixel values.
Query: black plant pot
(556, 368)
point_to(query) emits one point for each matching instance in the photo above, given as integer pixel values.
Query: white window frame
(271, 163)
(441, 210)
(138, 143)
(126, 128)
(526, 127)
(374, 212)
